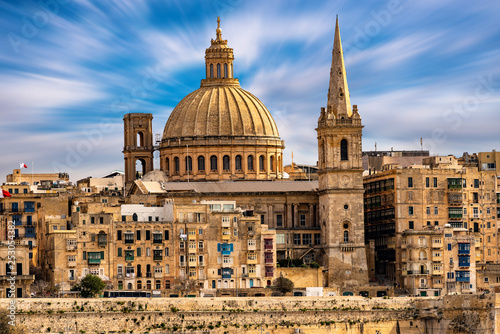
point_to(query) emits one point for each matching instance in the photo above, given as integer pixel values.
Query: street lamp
(62, 281)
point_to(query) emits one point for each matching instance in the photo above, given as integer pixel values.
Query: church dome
(220, 131)
(228, 111)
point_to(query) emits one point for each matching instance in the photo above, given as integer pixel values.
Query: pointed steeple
(339, 101)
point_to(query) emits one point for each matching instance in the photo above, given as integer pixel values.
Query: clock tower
(341, 180)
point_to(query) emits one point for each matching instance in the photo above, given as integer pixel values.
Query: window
(218, 70)
(261, 163)
(225, 163)
(189, 164)
(167, 165)
(296, 239)
(410, 225)
(157, 255)
(213, 163)
(167, 251)
(307, 239)
(427, 182)
(92, 220)
(343, 150)
(428, 211)
(200, 231)
(139, 252)
(157, 238)
(410, 210)
(280, 239)
(211, 71)
(166, 234)
(317, 238)
(410, 182)
(176, 165)
(237, 162)
(346, 236)
(436, 210)
(148, 235)
(302, 219)
(201, 163)
(225, 71)
(435, 182)
(129, 237)
(250, 162)
(279, 220)
(271, 163)
(200, 244)
(476, 183)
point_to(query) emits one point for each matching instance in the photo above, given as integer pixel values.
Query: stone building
(222, 133)
(19, 268)
(410, 200)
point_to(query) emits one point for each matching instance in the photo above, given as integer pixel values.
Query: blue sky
(70, 70)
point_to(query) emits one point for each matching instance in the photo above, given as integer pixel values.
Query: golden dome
(228, 111)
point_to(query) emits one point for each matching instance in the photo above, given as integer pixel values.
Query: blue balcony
(463, 276)
(226, 276)
(226, 252)
(463, 248)
(30, 235)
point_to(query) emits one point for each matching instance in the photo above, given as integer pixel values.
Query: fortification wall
(451, 314)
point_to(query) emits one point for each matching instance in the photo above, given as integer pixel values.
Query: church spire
(339, 101)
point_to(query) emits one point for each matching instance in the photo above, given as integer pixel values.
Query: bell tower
(341, 180)
(138, 145)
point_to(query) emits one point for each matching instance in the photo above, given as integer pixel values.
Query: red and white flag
(22, 165)
(4, 193)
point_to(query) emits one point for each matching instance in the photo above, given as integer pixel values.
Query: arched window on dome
(213, 163)
(271, 163)
(176, 165)
(343, 150)
(189, 164)
(201, 163)
(218, 70)
(225, 70)
(225, 163)
(211, 71)
(250, 162)
(237, 162)
(167, 166)
(261, 163)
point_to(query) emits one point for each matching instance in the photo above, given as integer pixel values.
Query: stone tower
(138, 145)
(341, 180)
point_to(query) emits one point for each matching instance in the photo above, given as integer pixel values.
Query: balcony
(148, 274)
(158, 275)
(226, 237)
(182, 264)
(437, 272)
(201, 264)
(251, 260)
(72, 264)
(70, 247)
(268, 247)
(130, 275)
(269, 271)
(404, 272)
(268, 261)
(94, 261)
(157, 257)
(463, 279)
(191, 236)
(226, 252)
(226, 223)
(455, 216)
(436, 245)
(30, 235)
(129, 258)
(437, 258)
(252, 247)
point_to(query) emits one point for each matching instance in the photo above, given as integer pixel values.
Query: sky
(70, 70)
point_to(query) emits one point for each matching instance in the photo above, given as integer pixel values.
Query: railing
(269, 260)
(129, 258)
(157, 258)
(268, 246)
(182, 264)
(149, 274)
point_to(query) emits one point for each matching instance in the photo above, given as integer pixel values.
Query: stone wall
(451, 314)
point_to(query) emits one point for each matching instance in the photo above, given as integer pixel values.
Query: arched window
(201, 162)
(167, 166)
(225, 71)
(120, 285)
(140, 139)
(139, 270)
(139, 285)
(167, 284)
(148, 285)
(134, 217)
(346, 236)
(237, 162)
(225, 162)
(250, 162)
(213, 162)
(129, 286)
(158, 284)
(261, 163)
(176, 165)
(271, 163)
(189, 164)
(211, 71)
(343, 150)
(218, 70)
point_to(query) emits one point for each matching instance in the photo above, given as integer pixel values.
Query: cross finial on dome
(218, 31)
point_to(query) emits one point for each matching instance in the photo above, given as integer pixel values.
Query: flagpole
(32, 174)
